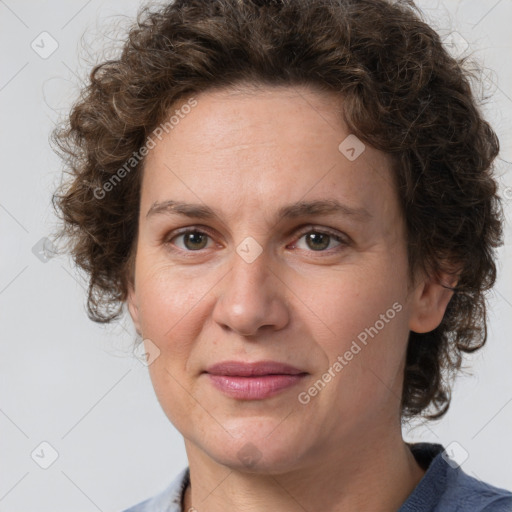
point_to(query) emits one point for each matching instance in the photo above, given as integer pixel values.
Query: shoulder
(472, 495)
(500, 505)
(445, 487)
(169, 500)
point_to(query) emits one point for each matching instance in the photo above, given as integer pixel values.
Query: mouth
(253, 381)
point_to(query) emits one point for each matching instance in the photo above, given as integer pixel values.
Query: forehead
(256, 145)
(277, 116)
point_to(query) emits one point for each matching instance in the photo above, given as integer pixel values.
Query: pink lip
(253, 381)
(241, 369)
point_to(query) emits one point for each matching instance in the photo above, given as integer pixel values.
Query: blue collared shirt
(445, 487)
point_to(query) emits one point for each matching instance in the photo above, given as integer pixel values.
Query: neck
(378, 476)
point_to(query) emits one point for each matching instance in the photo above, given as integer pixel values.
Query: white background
(75, 384)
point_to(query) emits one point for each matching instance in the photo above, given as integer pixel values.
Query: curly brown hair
(403, 94)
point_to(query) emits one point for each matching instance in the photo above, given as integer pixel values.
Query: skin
(246, 153)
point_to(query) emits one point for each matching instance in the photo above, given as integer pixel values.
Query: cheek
(170, 302)
(172, 308)
(363, 322)
(349, 303)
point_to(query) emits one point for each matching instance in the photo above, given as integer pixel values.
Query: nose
(251, 297)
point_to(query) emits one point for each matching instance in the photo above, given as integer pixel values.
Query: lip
(253, 381)
(251, 369)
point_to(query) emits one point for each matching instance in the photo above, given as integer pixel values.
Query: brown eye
(191, 240)
(319, 241)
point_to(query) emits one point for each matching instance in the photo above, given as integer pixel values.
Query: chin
(256, 451)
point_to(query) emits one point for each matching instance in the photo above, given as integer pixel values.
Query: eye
(310, 239)
(191, 240)
(319, 240)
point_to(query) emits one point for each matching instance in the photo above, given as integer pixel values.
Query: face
(262, 239)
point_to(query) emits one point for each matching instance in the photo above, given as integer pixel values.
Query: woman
(295, 201)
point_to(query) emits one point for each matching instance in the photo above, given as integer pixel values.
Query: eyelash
(343, 241)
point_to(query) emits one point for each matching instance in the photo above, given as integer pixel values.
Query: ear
(429, 301)
(133, 308)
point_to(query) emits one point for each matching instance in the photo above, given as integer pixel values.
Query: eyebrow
(292, 211)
